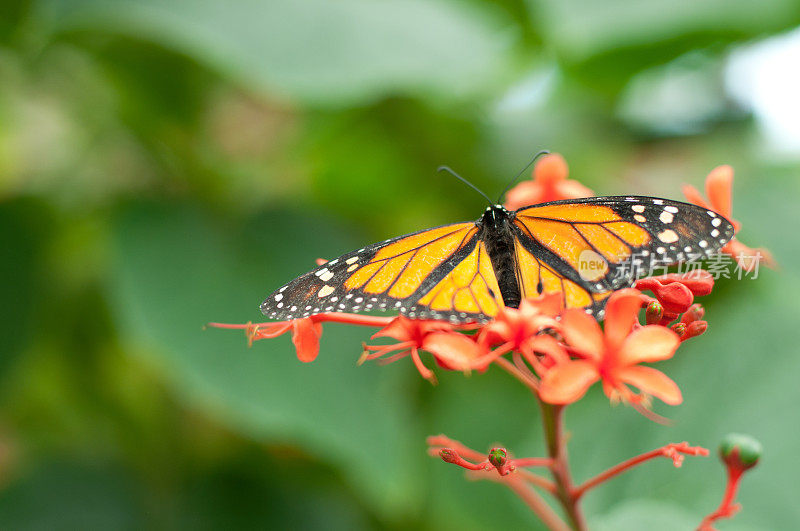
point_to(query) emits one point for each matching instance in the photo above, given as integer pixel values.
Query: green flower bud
(498, 457)
(740, 450)
(653, 313)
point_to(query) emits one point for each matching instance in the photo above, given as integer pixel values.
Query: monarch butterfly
(465, 272)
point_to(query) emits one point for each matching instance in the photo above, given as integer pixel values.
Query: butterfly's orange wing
(587, 248)
(441, 273)
(536, 277)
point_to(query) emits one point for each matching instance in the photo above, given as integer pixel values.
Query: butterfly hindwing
(536, 276)
(466, 291)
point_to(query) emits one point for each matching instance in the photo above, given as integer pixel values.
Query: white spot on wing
(668, 236)
(325, 291)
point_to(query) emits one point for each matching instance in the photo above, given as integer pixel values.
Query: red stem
(672, 451)
(553, 420)
(727, 508)
(334, 317)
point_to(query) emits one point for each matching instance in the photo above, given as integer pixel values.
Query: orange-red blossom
(549, 183)
(613, 355)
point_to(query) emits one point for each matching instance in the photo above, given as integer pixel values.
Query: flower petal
(748, 258)
(398, 328)
(571, 189)
(582, 333)
(548, 304)
(305, 336)
(453, 350)
(693, 196)
(566, 383)
(622, 311)
(550, 168)
(719, 189)
(647, 344)
(653, 382)
(548, 345)
(524, 194)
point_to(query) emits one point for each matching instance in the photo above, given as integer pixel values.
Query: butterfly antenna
(528, 165)
(463, 180)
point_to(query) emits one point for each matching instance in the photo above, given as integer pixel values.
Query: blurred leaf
(255, 492)
(177, 270)
(72, 496)
(605, 43)
(634, 515)
(320, 52)
(23, 225)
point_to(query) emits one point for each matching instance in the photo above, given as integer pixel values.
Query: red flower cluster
(674, 298)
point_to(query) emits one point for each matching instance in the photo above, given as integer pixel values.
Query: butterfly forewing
(395, 275)
(607, 241)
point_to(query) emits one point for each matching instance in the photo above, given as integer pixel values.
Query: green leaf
(176, 271)
(25, 236)
(320, 52)
(605, 43)
(72, 495)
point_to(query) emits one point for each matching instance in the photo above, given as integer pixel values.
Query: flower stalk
(553, 423)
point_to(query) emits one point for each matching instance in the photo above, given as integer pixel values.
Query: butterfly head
(495, 216)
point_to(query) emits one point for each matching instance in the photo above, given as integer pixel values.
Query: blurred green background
(165, 164)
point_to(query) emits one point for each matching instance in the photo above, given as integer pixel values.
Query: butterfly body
(583, 248)
(496, 229)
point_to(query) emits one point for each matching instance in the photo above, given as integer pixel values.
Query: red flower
(719, 189)
(306, 332)
(549, 183)
(612, 356)
(451, 349)
(520, 330)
